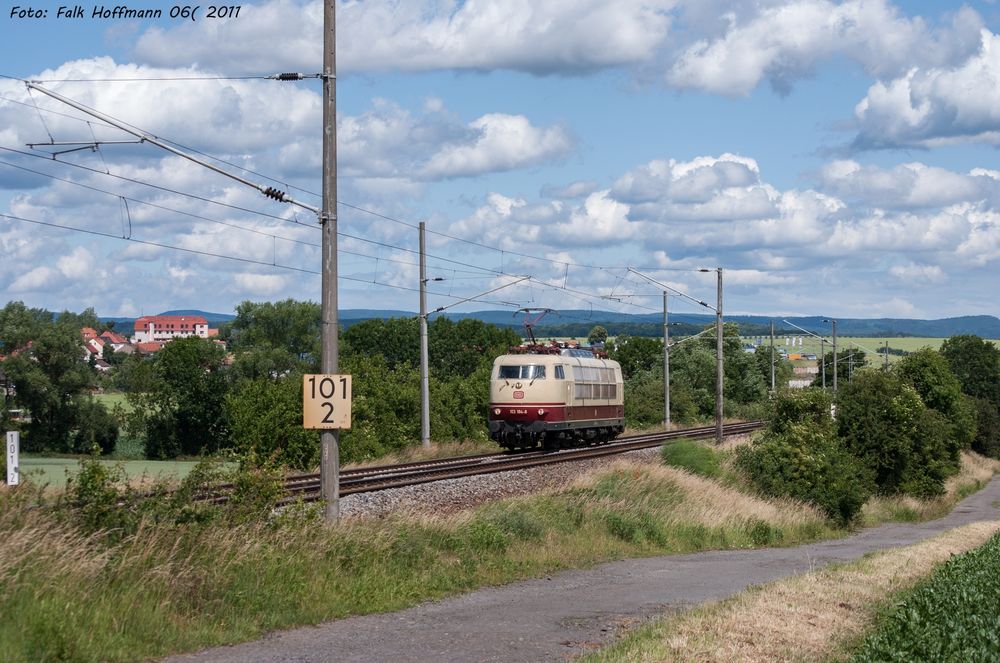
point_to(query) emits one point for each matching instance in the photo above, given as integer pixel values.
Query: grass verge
(974, 473)
(176, 587)
(816, 616)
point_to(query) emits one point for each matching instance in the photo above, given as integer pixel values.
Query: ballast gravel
(452, 495)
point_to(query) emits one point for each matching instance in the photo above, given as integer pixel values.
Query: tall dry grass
(974, 472)
(706, 502)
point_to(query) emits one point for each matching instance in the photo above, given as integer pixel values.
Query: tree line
(196, 397)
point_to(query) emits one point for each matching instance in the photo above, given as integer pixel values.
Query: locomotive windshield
(522, 372)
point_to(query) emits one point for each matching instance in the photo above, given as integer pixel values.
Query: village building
(150, 328)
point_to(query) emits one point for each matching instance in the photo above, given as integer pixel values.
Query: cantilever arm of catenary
(270, 192)
(469, 299)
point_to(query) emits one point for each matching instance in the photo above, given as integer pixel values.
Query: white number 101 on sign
(326, 401)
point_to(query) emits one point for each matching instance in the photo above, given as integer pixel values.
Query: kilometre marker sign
(326, 401)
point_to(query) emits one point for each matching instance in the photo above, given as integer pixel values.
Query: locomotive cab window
(560, 372)
(525, 372)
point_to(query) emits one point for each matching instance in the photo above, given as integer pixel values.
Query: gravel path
(555, 618)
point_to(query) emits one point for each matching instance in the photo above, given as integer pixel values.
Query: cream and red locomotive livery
(554, 396)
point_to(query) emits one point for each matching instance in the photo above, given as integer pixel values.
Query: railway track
(383, 477)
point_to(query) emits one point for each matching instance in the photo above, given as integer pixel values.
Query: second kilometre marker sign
(326, 401)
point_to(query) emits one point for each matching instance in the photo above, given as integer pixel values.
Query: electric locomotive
(555, 396)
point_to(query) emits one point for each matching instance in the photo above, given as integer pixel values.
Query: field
(870, 345)
(53, 471)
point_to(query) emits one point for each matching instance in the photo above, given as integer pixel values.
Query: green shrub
(800, 406)
(484, 536)
(635, 527)
(934, 456)
(264, 417)
(691, 456)
(987, 438)
(807, 464)
(928, 372)
(95, 426)
(877, 419)
(95, 494)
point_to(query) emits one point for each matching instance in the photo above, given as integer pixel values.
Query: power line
(365, 210)
(146, 79)
(223, 256)
(503, 252)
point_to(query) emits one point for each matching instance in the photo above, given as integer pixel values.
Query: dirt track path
(554, 618)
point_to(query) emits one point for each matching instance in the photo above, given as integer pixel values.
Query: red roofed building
(166, 327)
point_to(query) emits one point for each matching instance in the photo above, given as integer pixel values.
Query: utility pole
(850, 363)
(772, 356)
(886, 355)
(822, 359)
(718, 359)
(425, 389)
(666, 365)
(835, 367)
(330, 354)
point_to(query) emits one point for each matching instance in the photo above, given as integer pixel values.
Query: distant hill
(578, 322)
(651, 324)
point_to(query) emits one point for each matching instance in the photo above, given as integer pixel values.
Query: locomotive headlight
(496, 411)
(541, 412)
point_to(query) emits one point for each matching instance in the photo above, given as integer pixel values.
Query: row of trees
(43, 357)
(747, 376)
(192, 397)
(895, 432)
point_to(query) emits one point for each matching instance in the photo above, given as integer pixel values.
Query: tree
(782, 367)
(976, 364)
(264, 417)
(87, 318)
(845, 360)
(184, 404)
(598, 335)
(273, 338)
(19, 325)
(454, 348)
(882, 422)
(987, 439)
(928, 372)
(637, 354)
(49, 378)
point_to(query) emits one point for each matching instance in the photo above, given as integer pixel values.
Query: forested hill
(578, 323)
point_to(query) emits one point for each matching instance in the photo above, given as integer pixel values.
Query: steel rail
(410, 474)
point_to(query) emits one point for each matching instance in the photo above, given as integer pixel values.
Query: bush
(987, 438)
(95, 426)
(808, 464)
(877, 418)
(800, 406)
(934, 457)
(691, 456)
(264, 417)
(928, 372)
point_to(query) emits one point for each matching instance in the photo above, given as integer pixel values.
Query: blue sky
(835, 158)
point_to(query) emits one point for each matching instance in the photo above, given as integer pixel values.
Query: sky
(833, 158)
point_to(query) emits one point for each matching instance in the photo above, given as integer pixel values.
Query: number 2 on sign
(326, 401)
